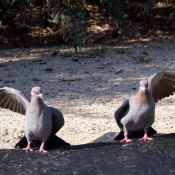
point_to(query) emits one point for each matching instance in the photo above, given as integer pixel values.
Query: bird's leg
(28, 148)
(126, 139)
(41, 150)
(145, 137)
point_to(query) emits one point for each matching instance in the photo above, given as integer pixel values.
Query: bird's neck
(143, 98)
(36, 101)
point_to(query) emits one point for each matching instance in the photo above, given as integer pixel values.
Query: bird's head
(37, 92)
(144, 86)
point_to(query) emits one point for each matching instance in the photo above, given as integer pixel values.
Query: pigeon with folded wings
(41, 120)
(138, 112)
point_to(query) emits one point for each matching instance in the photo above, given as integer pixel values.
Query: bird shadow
(53, 141)
(88, 146)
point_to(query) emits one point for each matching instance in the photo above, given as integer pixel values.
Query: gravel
(86, 87)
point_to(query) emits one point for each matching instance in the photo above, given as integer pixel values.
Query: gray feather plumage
(138, 112)
(41, 120)
(38, 120)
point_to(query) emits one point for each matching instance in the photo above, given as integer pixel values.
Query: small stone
(97, 60)
(54, 54)
(70, 79)
(66, 55)
(43, 62)
(86, 72)
(101, 67)
(35, 61)
(145, 53)
(36, 79)
(48, 69)
(3, 65)
(17, 56)
(9, 81)
(75, 59)
(118, 72)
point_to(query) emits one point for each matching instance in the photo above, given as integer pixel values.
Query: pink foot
(28, 148)
(41, 150)
(126, 140)
(145, 138)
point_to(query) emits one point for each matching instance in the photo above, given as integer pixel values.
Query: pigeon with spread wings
(138, 112)
(41, 120)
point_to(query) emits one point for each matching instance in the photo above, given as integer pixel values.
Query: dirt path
(86, 88)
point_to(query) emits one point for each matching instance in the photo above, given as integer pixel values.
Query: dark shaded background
(36, 23)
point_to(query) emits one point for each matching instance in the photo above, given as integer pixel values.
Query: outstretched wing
(13, 100)
(161, 85)
(121, 110)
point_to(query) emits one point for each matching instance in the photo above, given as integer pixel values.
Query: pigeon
(138, 112)
(41, 120)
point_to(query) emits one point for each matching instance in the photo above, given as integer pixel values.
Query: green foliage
(121, 51)
(120, 19)
(3, 65)
(72, 22)
(146, 7)
(4, 4)
(137, 59)
(142, 59)
(32, 50)
(34, 2)
(73, 70)
(101, 50)
(113, 7)
(95, 79)
(71, 19)
(125, 51)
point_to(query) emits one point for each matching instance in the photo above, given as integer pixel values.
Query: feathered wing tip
(13, 100)
(162, 85)
(120, 111)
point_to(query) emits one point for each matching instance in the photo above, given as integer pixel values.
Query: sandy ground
(86, 87)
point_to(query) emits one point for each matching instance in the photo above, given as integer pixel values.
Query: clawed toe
(41, 151)
(146, 138)
(126, 140)
(28, 149)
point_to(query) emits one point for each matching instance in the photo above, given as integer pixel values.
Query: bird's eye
(146, 84)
